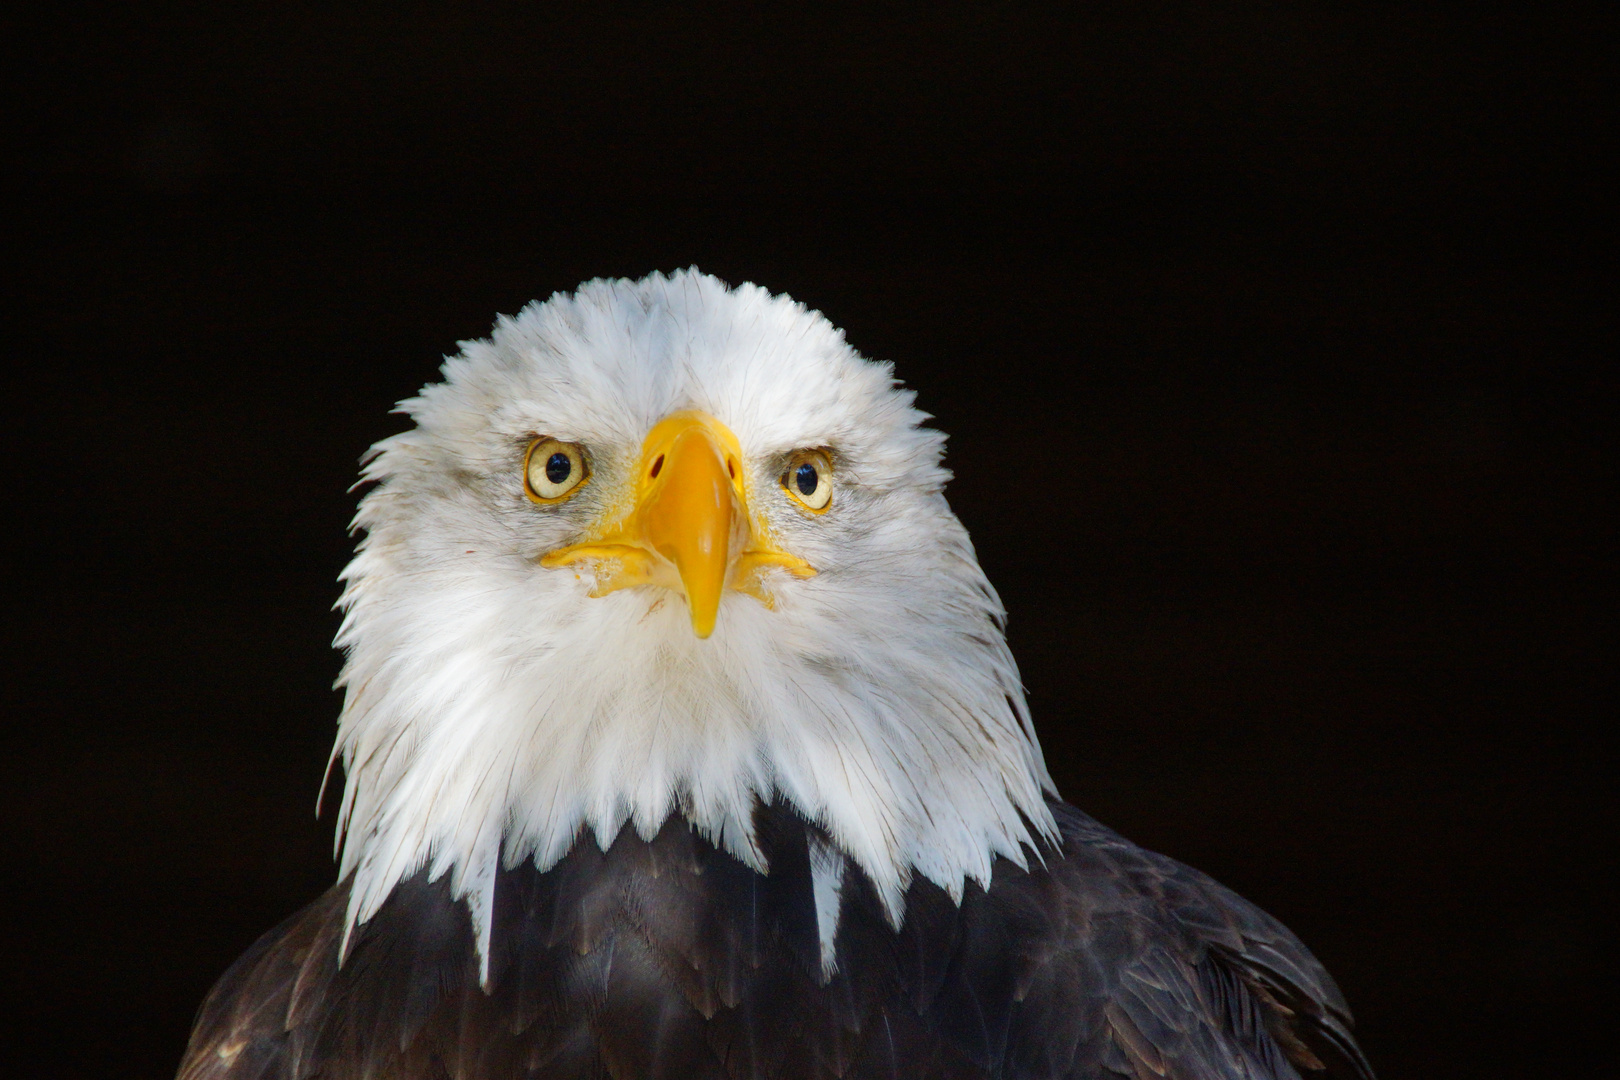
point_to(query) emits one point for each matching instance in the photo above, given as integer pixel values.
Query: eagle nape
(682, 740)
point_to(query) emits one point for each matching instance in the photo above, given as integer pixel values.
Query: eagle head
(666, 547)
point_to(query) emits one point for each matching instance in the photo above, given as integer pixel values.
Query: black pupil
(558, 467)
(805, 477)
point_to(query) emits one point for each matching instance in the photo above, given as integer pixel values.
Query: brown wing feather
(1208, 984)
(254, 1020)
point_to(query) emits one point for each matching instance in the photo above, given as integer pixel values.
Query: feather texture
(671, 958)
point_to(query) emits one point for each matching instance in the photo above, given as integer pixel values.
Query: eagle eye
(808, 480)
(553, 470)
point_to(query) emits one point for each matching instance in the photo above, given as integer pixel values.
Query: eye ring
(808, 480)
(553, 470)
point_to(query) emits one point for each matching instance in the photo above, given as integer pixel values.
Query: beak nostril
(731, 467)
(657, 466)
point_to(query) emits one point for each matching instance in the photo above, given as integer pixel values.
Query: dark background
(1268, 337)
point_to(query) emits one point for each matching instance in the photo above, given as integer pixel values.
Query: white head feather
(494, 709)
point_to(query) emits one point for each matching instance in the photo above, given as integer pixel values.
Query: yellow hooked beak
(690, 529)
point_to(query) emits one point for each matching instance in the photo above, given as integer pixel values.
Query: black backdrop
(1265, 335)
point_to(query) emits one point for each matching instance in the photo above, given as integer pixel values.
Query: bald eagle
(682, 740)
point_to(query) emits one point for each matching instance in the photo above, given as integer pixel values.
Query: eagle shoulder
(1159, 970)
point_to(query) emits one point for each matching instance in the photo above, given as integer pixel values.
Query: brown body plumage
(672, 959)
